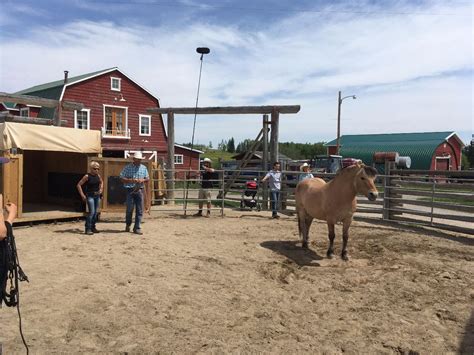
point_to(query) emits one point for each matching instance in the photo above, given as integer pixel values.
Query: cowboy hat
(138, 155)
(304, 166)
(207, 160)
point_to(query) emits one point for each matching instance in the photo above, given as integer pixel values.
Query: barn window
(145, 125)
(115, 122)
(178, 159)
(115, 84)
(25, 112)
(82, 119)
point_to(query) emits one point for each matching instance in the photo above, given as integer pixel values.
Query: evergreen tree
(231, 145)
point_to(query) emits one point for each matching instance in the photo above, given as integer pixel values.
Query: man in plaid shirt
(134, 177)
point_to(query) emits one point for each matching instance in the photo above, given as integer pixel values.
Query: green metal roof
(54, 89)
(10, 105)
(420, 147)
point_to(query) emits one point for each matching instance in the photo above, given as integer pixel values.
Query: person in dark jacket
(93, 191)
(206, 185)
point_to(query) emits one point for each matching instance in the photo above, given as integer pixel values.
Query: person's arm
(125, 179)
(266, 177)
(12, 212)
(209, 170)
(3, 228)
(147, 177)
(101, 186)
(79, 186)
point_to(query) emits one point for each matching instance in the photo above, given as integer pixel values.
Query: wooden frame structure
(273, 124)
(34, 100)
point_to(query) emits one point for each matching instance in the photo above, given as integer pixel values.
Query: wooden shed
(46, 162)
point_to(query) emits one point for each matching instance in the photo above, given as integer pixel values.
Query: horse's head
(364, 181)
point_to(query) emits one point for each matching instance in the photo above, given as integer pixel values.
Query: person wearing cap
(206, 186)
(306, 174)
(94, 187)
(134, 177)
(10, 211)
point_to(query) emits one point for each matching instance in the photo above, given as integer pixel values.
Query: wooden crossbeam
(228, 110)
(34, 100)
(8, 117)
(243, 163)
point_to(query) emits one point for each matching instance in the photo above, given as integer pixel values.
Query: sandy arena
(241, 284)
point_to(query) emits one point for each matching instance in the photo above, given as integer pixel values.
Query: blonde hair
(94, 164)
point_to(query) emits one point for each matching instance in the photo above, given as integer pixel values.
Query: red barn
(114, 104)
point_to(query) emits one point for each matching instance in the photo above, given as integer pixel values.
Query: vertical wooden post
(265, 161)
(274, 136)
(386, 213)
(58, 117)
(170, 172)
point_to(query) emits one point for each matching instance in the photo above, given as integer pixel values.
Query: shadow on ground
(467, 342)
(293, 251)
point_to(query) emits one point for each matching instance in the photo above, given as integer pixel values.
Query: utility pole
(339, 103)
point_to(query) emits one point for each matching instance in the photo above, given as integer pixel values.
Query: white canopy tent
(49, 138)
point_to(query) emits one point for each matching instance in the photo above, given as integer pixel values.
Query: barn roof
(419, 146)
(55, 89)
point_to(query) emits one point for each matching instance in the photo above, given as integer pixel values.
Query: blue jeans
(274, 199)
(134, 200)
(93, 206)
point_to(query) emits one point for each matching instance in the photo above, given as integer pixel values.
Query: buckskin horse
(333, 202)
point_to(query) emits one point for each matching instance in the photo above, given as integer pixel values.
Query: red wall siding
(331, 150)
(450, 148)
(34, 111)
(96, 92)
(187, 157)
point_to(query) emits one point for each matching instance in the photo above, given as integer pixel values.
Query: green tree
(468, 156)
(231, 145)
(222, 145)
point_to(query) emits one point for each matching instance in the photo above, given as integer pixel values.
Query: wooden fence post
(386, 192)
(170, 173)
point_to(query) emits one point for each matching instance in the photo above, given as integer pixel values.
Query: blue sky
(408, 62)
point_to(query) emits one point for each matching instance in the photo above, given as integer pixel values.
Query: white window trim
(88, 117)
(182, 159)
(112, 78)
(126, 121)
(140, 125)
(23, 109)
(447, 157)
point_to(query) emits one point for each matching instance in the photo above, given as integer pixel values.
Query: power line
(267, 9)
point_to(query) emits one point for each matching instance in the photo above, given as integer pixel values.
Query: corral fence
(440, 199)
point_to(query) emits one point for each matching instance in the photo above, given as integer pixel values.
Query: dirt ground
(241, 284)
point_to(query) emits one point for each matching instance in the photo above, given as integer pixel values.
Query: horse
(333, 202)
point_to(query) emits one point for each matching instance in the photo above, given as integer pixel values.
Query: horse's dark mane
(345, 170)
(370, 171)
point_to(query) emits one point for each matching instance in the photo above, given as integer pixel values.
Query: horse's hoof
(344, 256)
(305, 245)
(330, 255)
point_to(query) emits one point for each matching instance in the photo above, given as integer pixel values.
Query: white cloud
(402, 67)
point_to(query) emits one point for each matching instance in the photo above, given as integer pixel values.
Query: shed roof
(419, 146)
(10, 105)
